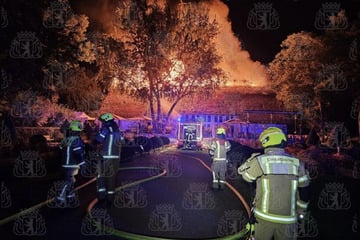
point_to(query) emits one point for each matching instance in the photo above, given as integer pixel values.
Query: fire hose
(133, 236)
(128, 235)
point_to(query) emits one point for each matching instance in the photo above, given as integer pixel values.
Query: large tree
(294, 72)
(170, 51)
(319, 75)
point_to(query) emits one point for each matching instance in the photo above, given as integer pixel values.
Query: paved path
(179, 205)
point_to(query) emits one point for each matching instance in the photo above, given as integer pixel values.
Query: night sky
(294, 16)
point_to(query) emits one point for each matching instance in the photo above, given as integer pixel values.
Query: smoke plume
(241, 69)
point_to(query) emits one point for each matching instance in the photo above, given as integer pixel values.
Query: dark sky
(294, 16)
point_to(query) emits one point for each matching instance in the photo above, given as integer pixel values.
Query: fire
(236, 62)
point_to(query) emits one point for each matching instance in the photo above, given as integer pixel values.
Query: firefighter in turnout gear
(282, 188)
(73, 152)
(110, 138)
(218, 150)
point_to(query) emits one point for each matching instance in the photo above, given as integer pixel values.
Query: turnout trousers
(218, 169)
(265, 230)
(106, 179)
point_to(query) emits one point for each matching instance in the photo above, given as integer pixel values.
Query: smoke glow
(241, 69)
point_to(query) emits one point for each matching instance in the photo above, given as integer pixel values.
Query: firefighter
(218, 151)
(72, 148)
(282, 188)
(110, 138)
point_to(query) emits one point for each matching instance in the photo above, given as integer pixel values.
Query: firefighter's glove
(242, 168)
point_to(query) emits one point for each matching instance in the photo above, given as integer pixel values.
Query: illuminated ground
(179, 205)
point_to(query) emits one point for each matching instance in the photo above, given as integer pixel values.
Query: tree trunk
(171, 109)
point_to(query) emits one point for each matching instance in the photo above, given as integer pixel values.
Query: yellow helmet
(75, 126)
(220, 130)
(106, 117)
(272, 136)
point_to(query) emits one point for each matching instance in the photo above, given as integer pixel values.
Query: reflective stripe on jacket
(278, 176)
(219, 148)
(72, 152)
(111, 142)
